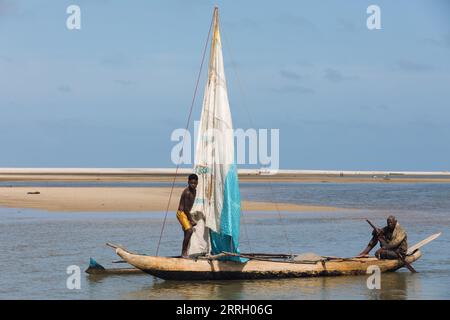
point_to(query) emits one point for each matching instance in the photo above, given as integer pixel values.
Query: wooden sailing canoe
(170, 268)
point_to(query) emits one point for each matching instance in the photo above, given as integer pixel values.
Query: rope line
(246, 235)
(186, 128)
(240, 86)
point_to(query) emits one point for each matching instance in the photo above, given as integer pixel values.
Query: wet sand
(118, 199)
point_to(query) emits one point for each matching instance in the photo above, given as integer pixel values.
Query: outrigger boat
(214, 247)
(261, 266)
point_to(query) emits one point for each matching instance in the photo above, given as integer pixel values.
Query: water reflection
(393, 286)
(187, 290)
(396, 286)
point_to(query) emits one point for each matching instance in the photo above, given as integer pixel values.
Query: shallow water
(36, 247)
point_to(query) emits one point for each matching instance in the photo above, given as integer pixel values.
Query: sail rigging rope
(186, 128)
(242, 212)
(240, 86)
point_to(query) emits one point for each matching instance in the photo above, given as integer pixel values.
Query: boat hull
(201, 269)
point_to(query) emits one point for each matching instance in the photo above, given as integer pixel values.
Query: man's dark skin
(382, 252)
(186, 202)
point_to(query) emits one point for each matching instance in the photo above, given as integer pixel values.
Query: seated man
(395, 242)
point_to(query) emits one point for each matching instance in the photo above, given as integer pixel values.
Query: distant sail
(218, 198)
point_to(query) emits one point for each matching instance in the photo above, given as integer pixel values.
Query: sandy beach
(117, 199)
(123, 199)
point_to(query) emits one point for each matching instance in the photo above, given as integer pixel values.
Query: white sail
(217, 204)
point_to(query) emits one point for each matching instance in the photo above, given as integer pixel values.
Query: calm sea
(37, 247)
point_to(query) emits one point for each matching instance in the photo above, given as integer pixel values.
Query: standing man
(184, 212)
(395, 241)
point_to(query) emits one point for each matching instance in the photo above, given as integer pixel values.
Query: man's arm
(372, 243)
(192, 221)
(190, 199)
(181, 204)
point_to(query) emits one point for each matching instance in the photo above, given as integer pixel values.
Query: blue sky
(110, 94)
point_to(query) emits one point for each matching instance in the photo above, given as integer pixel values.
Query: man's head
(391, 222)
(193, 181)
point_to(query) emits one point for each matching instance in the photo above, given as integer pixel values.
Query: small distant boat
(214, 246)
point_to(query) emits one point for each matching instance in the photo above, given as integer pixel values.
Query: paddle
(422, 243)
(400, 257)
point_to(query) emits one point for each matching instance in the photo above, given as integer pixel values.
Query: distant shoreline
(245, 175)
